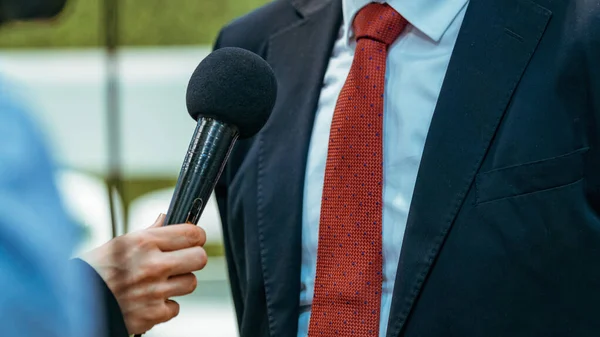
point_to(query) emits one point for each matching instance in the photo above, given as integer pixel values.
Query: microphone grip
(203, 164)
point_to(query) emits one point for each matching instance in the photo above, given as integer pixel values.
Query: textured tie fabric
(349, 259)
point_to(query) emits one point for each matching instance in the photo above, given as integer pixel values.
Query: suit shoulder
(253, 30)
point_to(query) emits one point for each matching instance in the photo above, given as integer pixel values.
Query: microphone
(231, 95)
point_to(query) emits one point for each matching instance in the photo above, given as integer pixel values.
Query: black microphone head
(234, 86)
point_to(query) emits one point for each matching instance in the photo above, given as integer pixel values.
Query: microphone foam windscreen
(234, 86)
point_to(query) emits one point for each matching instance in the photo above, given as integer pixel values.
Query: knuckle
(203, 257)
(160, 293)
(202, 236)
(134, 239)
(134, 276)
(142, 242)
(200, 259)
(142, 239)
(153, 315)
(158, 268)
(195, 235)
(175, 310)
(164, 313)
(169, 310)
(143, 272)
(192, 283)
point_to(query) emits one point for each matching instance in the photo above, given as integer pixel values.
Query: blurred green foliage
(142, 23)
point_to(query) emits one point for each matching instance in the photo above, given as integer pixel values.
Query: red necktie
(349, 258)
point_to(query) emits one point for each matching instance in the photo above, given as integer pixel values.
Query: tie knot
(380, 22)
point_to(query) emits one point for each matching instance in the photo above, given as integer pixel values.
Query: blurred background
(62, 69)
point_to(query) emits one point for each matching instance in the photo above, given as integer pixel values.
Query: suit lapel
(494, 46)
(299, 55)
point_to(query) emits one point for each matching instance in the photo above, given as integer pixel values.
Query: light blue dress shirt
(40, 294)
(416, 67)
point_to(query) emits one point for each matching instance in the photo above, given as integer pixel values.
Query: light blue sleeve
(39, 294)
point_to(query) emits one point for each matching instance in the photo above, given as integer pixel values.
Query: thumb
(159, 221)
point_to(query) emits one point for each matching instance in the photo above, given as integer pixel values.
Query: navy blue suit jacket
(503, 235)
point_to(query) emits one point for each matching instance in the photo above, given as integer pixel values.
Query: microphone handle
(203, 164)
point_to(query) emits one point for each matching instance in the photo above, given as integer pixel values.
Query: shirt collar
(432, 17)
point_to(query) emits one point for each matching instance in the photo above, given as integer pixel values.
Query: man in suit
(431, 168)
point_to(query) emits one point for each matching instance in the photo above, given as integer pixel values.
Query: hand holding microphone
(145, 269)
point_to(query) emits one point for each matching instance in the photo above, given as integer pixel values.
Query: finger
(171, 311)
(185, 261)
(178, 286)
(159, 221)
(176, 237)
